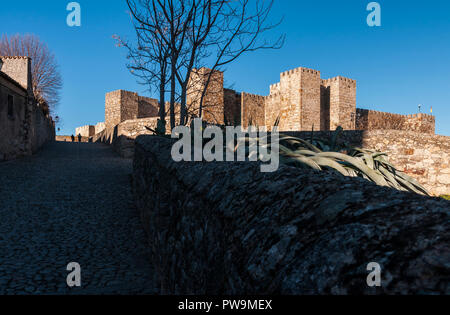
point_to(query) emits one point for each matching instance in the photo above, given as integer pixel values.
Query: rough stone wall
(19, 69)
(284, 102)
(304, 101)
(375, 120)
(85, 131)
(213, 103)
(342, 102)
(423, 156)
(129, 106)
(69, 139)
(147, 107)
(421, 122)
(310, 99)
(124, 105)
(122, 136)
(41, 129)
(272, 108)
(24, 130)
(12, 129)
(227, 228)
(325, 95)
(253, 110)
(113, 101)
(232, 110)
(99, 127)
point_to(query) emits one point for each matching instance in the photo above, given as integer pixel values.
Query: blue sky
(399, 65)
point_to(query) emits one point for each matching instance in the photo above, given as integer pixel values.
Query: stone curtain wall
(252, 110)
(147, 107)
(85, 131)
(232, 110)
(375, 120)
(423, 156)
(122, 136)
(226, 228)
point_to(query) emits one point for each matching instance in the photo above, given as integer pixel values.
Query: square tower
(296, 100)
(342, 104)
(213, 102)
(120, 106)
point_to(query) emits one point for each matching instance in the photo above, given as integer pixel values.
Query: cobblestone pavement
(71, 202)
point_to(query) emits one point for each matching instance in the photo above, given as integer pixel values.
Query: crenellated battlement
(302, 100)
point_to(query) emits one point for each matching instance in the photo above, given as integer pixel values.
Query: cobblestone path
(71, 202)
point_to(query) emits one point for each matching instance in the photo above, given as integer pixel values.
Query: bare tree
(47, 80)
(203, 33)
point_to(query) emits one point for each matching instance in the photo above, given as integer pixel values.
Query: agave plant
(323, 154)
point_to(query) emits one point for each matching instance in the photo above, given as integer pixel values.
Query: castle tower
(213, 102)
(120, 105)
(296, 100)
(342, 103)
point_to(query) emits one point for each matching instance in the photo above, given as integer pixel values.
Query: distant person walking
(79, 137)
(73, 138)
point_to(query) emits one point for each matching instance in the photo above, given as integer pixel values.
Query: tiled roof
(14, 57)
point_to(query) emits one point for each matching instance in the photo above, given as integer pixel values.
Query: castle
(302, 100)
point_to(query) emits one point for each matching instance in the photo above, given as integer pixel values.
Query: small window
(10, 106)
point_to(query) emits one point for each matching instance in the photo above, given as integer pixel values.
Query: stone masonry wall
(124, 105)
(253, 110)
(24, 127)
(232, 107)
(85, 131)
(113, 101)
(375, 120)
(122, 136)
(147, 107)
(423, 156)
(12, 130)
(342, 103)
(309, 99)
(213, 102)
(228, 229)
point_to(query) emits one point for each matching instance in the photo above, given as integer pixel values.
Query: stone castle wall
(252, 107)
(375, 120)
(85, 131)
(214, 100)
(232, 107)
(124, 105)
(24, 127)
(322, 232)
(426, 157)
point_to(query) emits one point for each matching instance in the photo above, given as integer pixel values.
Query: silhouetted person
(73, 138)
(79, 137)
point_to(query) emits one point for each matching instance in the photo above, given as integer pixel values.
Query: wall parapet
(235, 230)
